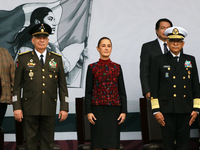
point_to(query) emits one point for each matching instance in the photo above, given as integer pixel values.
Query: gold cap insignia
(175, 31)
(42, 28)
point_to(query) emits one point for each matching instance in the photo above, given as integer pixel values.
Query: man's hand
(62, 115)
(193, 117)
(147, 95)
(160, 118)
(18, 115)
(91, 118)
(121, 118)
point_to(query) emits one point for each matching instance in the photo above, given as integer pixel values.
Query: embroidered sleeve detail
(196, 102)
(154, 103)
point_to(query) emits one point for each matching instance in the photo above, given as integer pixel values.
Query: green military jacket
(39, 85)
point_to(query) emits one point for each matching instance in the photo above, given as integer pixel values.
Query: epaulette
(56, 54)
(24, 52)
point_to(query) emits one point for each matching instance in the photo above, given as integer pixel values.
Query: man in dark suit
(39, 73)
(149, 51)
(175, 93)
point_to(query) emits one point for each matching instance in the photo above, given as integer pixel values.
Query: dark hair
(99, 42)
(162, 20)
(24, 36)
(39, 14)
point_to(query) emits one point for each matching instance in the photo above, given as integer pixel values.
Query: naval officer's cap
(40, 29)
(175, 33)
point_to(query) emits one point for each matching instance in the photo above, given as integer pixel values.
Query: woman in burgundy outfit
(105, 99)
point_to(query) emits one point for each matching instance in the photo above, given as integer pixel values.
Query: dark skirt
(106, 132)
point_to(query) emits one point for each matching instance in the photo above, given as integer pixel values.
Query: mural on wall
(128, 23)
(69, 19)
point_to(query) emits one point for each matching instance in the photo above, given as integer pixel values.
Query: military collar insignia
(52, 63)
(188, 64)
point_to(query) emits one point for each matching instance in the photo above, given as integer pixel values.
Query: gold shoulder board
(56, 54)
(24, 53)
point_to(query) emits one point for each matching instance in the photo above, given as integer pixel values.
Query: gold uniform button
(174, 77)
(55, 99)
(184, 95)
(174, 95)
(25, 98)
(174, 86)
(43, 92)
(43, 84)
(184, 86)
(183, 77)
(43, 77)
(43, 70)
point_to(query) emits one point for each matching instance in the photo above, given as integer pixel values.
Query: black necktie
(176, 58)
(165, 48)
(41, 60)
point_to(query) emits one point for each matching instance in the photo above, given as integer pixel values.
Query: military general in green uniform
(39, 74)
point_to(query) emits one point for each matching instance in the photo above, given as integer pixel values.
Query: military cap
(40, 29)
(176, 33)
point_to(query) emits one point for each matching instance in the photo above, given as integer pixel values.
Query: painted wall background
(129, 24)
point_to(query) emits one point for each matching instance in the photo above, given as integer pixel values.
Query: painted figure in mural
(22, 42)
(7, 73)
(175, 93)
(105, 99)
(40, 78)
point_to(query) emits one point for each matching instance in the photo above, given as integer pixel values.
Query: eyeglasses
(177, 41)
